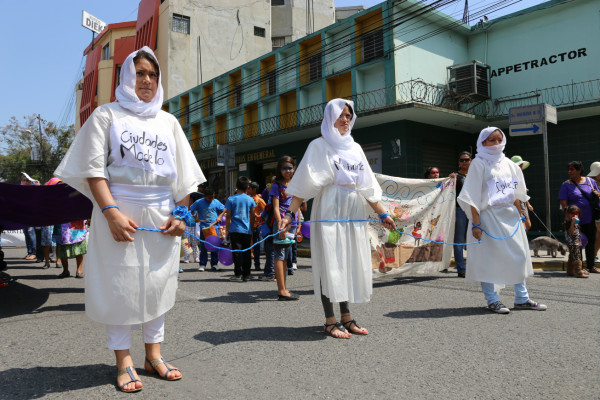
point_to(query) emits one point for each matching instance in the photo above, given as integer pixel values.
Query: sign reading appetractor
(92, 23)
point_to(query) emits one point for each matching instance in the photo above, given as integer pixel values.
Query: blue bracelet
(107, 207)
(182, 213)
(383, 216)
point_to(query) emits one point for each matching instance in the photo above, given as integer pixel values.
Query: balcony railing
(410, 92)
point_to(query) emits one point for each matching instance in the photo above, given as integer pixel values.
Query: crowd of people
(131, 274)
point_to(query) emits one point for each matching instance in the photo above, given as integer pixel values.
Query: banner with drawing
(423, 210)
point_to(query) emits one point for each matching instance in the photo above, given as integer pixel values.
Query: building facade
(194, 41)
(404, 64)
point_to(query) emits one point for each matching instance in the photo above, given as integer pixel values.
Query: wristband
(107, 207)
(182, 213)
(383, 216)
(476, 226)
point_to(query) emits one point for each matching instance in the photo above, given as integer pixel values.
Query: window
(106, 52)
(237, 96)
(314, 67)
(181, 24)
(278, 2)
(277, 42)
(118, 76)
(259, 31)
(209, 105)
(270, 83)
(372, 45)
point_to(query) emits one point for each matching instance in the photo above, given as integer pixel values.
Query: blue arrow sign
(534, 128)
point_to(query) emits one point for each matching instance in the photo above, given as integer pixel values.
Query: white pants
(119, 336)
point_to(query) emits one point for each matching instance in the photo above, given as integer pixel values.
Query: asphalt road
(431, 338)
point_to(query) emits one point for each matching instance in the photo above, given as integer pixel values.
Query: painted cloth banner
(423, 208)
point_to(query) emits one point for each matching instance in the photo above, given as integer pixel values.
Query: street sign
(550, 113)
(525, 114)
(92, 23)
(535, 128)
(225, 155)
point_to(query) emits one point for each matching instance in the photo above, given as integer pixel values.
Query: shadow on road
(401, 280)
(37, 382)
(19, 299)
(438, 313)
(251, 297)
(273, 333)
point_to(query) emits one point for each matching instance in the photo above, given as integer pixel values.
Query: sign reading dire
(92, 23)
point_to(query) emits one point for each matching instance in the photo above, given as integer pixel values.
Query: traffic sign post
(532, 120)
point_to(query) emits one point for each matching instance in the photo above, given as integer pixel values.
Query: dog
(552, 245)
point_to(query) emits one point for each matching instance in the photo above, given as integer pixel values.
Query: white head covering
(490, 154)
(125, 93)
(332, 135)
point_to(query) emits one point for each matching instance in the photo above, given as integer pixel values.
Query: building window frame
(260, 32)
(270, 83)
(372, 45)
(315, 67)
(277, 3)
(181, 24)
(106, 51)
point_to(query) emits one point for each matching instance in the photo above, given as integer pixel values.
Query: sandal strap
(159, 361)
(335, 325)
(348, 324)
(127, 370)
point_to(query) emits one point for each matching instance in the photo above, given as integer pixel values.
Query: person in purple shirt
(239, 216)
(577, 190)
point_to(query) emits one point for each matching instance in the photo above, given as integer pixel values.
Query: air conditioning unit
(470, 79)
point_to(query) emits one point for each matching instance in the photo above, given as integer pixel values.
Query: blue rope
(345, 220)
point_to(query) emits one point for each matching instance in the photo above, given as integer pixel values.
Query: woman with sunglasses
(335, 172)
(461, 222)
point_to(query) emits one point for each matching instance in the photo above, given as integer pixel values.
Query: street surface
(431, 338)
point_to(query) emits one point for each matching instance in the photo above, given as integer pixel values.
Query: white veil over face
(332, 135)
(125, 92)
(490, 154)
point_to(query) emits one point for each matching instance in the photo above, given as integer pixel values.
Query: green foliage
(19, 140)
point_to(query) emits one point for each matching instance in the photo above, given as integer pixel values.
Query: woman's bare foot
(337, 331)
(160, 368)
(352, 326)
(123, 377)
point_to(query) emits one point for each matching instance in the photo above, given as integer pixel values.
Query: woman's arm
(119, 224)
(388, 222)
(476, 221)
(284, 223)
(175, 226)
(563, 205)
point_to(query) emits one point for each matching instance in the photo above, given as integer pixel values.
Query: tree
(35, 146)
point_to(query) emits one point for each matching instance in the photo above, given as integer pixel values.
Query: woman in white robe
(490, 198)
(134, 162)
(335, 172)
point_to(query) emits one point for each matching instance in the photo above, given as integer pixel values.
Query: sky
(42, 45)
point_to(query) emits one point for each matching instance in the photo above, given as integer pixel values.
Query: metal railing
(415, 91)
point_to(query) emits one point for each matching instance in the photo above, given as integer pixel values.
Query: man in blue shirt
(209, 212)
(239, 220)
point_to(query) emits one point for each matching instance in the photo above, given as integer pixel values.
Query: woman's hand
(389, 223)
(173, 226)
(477, 233)
(120, 225)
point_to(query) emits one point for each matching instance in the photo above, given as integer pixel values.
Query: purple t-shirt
(278, 190)
(573, 196)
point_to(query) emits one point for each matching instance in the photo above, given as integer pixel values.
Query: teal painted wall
(539, 35)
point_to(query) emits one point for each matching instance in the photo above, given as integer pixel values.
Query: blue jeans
(460, 236)
(521, 295)
(30, 240)
(214, 255)
(292, 257)
(269, 258)
(256, 249)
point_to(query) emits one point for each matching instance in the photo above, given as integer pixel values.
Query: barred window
(181, 24)
(372, 45)
(314, 67)
(270, 83)
(278, 2)
(259, 31)
(237, 96)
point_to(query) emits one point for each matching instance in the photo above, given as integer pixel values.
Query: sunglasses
(287, 168)
(464, 159)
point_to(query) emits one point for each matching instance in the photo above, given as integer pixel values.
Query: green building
(423, 84)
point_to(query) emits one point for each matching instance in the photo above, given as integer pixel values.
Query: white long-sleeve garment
(340, 182)
(492, 189)
(149, 165)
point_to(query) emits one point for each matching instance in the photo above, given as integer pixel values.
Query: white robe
(131, 282)
(340, 251)
(492, 191)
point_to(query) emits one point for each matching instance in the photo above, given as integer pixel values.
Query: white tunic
(492, 191)
(149, 166)
(341, 183)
